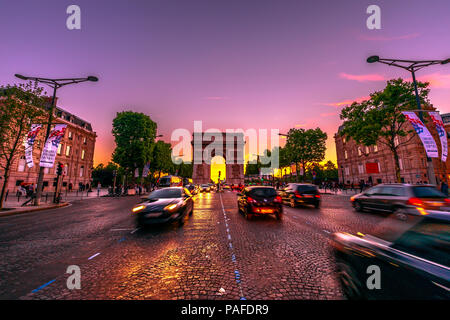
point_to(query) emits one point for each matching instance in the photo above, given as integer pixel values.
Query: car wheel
(350, 285)
(247, 216)
(358, 206)
(401, 214)
(292, 203)
(317, 205)
(279, 216)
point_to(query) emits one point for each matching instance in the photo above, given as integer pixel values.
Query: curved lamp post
(55, 84)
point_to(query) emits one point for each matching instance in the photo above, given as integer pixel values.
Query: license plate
(153, 214)
(266, 210)
(308, 196)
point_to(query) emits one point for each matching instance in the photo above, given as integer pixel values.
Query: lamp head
(373, 59)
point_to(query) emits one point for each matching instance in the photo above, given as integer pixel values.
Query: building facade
(375, 164)
(75, 152)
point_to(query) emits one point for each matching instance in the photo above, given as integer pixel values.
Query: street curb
(14, 212)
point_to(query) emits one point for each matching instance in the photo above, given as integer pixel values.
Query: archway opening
(218, 169)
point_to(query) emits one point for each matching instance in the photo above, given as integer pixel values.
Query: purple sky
(233, 64)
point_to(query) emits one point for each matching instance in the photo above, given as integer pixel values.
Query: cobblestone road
(217, 254)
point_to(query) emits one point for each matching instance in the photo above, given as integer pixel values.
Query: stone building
(75, 152)
(375, 164)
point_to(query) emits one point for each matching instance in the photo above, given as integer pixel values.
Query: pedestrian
(444, 188)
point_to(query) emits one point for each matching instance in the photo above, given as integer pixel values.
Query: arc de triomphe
(231, 148)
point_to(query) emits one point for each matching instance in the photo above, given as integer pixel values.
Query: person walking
(444, 188)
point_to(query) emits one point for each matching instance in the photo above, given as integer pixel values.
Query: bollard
(46, 197)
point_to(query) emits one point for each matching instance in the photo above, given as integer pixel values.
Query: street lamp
(412, 66)
(55, 84)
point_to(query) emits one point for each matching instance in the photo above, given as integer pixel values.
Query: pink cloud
(215, 98)
(436, 80)
(347, 102)
(362, 77)
(384, 38)
(328, 114)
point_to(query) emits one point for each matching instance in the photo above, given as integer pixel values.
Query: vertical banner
(51, 146)
(146, 170)
(29, 142)
(425, 135)
(437, 120)
(136, 173)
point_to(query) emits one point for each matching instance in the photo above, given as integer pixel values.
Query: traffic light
(59, 170)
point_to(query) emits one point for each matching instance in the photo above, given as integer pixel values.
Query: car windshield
(263, 192)
(306, 188)
(427, 192)
(165, 193)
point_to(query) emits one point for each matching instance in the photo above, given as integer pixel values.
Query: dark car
(259, 201)
(205, 188)
(414, 264)
(164, 205)
(400, 198)
(301, 193)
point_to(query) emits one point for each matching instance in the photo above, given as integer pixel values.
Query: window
(70, 135)
(375, 148)
(82, 154)
(60, 146)
(347, 171)
(67, 150)
(396, 141)
(81, 171)
(46, 170)
(359, 151)
(367, 150)
(345, 154)
(21, 167)
(85, 140)
(400, 163)
(429, 239)
(360, 168)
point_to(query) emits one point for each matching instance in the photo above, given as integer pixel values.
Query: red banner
(372, 167)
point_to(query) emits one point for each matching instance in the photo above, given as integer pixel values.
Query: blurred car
(400, 198)
(260, 201)
(413, 265)
(205, 188)
(226, 187)
(164, 205)
(192, 189)
(301, 193)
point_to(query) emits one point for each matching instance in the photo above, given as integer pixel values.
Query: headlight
(138, 208)
(173, 206)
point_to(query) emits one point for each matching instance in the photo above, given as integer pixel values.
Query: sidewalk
(14, 203)
(347, 192)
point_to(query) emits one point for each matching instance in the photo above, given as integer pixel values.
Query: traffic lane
(280, 259)
(38, 246)
(336, 214)
(160, 262)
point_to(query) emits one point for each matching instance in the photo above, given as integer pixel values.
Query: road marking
(326, 231)
(237, 275)
(92, 257)
(134, 230)
(122, 229)
(43, 286)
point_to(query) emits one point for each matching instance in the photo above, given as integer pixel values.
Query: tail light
(297, 194)
(317, 195)
(277, 199)
(415, 202)
(251, 200)
(447, 200)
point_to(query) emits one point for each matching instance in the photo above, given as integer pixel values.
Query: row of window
(68, 150)
(22, 164)
(360, 151)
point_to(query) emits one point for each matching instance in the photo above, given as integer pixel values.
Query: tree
(104, 174)
(330, 170)
(305, 146)
(134, 134)
(162, 158)
(20, 106)
(380, 119)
